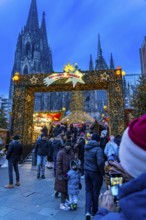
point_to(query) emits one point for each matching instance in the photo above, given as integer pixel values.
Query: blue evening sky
(73, 27)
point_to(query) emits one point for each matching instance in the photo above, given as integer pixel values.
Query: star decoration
(30, 130)
(76, 78)
(19, 115)
(104, 76)
(69, 68)
(33, 80)
(28, 98)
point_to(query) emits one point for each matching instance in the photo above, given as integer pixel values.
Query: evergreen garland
(3, 119)
(139, 98)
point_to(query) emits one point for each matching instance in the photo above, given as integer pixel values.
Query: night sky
(73, 27)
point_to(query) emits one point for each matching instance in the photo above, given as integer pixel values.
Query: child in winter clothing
(112, 150)
(74, 185)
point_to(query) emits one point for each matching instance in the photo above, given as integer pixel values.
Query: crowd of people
(89, 152)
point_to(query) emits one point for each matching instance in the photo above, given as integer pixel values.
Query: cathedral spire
(99, 52)
(44, 31)
(91, 68)
(100, 61)
(32, 21)
(112, 66)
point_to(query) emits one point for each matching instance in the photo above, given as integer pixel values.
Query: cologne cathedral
(33, 55)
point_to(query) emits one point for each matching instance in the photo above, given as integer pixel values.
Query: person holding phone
(132, 193)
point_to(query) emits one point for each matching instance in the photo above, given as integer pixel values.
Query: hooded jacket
(94, 157)
(73, 180)
(111, 149)
(132, 201)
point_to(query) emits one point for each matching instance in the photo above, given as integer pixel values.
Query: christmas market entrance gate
(27, 85)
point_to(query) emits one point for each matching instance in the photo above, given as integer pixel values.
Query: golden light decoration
(63, 109)
(123, 73)
(117, 89)
(69, 68)
(102, 115)
(105, 107)
(16, 77)
(29, 129)
(118, 70)
(28, 98)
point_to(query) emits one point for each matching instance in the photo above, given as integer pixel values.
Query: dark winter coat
(94, 157)
(96, 127)
(62, 167)
(14, 151)
(55, 147)
(79, 148)
(45, 131)
(42, 148)
(57, 131)
(132, 201)
(103, 142)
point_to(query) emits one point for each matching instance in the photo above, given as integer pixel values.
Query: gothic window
(25, 71)
(27, 48)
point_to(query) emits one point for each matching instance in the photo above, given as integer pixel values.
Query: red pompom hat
(132, 151)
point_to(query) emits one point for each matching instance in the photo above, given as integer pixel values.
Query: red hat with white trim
(132, 151)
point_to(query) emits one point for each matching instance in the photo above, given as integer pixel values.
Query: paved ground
(34, 199)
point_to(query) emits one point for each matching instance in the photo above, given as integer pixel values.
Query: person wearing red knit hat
(132, 194)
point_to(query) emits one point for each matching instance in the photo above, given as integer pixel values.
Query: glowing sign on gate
(71, 73)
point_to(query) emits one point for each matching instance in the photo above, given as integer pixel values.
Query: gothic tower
(100, 61)
(33, 54)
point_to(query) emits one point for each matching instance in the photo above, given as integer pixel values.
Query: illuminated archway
(24, 89)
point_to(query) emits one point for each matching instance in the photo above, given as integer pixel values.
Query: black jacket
(79, 149)
(103, 142)
(14, 151)
(57, 131)
(42, 148)
(94, 157)
(55, 147)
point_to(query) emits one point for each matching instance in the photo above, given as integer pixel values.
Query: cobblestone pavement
(34, 199)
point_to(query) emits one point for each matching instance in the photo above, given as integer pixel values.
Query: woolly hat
(16, 137)
(95, 137)
(132, 151)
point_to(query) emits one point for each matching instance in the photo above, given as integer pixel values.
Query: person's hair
(16, 137)
(43, 135)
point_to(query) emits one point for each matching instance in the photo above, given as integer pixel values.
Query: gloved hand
(80, 186)
(65, 176)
